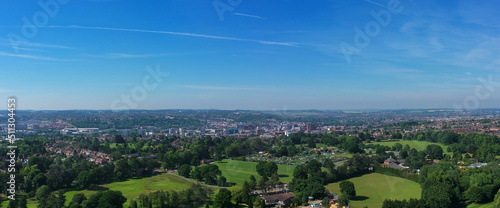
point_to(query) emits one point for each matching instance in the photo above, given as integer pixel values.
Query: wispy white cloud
(43, 45)
(126, 55)
(248, 15)
(27, 49)
(173, 33)
(6, 42)
(468, 10)
(45, 58)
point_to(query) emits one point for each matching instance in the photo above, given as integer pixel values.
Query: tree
(253, 183)
(74, 205)
(185, 170)
(79, 198)
(275, 180)
(266, 169)
(497, 200)
(84, 179)
(61, 199)
(347, 189)
(42, 193)
(434, 151)
(133, 204)
(326, 202)
(343, 201)
(12, 204)
(436, 197)
(440, 188)
(122, 169)
(23, 202)
(222, 181)
(300, 172)
(313, 167)
(245, 192)
(223, 199)
(475, 194)
(39, 180)
(55, 178)
(271, 169)
(258, 202)
(262, 183)
(314, 187)
(105, 199)
(119, 139)
(112, 199)
(51, 201)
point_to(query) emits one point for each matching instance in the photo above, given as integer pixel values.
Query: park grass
(346, 155)
(418, 145)
(132, 188)
(238, 171)
(374, 188)
(31, 203)
(488, 205)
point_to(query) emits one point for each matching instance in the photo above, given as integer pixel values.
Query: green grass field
(489, 205)
(31, 203)
(373, 189)
(418, 145)
(235, 172)
(239, 171)
(134, 187)
(131, 188)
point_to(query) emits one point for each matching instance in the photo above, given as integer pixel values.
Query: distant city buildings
(77, 131)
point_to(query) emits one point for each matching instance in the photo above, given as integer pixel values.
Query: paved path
(195, 181)
(338, 163)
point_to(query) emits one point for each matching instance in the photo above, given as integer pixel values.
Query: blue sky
(279, 54)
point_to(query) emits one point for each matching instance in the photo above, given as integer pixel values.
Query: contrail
(168, 32)
(248, 15)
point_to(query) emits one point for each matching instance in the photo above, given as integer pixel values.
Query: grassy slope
(235, 171)
(135, 187)
(31, 203)
(489, 205)
(239, 171)
(418, 145)
(373, 189)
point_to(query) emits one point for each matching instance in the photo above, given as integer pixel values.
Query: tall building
(309, 127)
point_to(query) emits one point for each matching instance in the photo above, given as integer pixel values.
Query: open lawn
(489, 205)
(31, 203)
(373, 189)
(134, 187)
(238, 171)
(418, 145)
